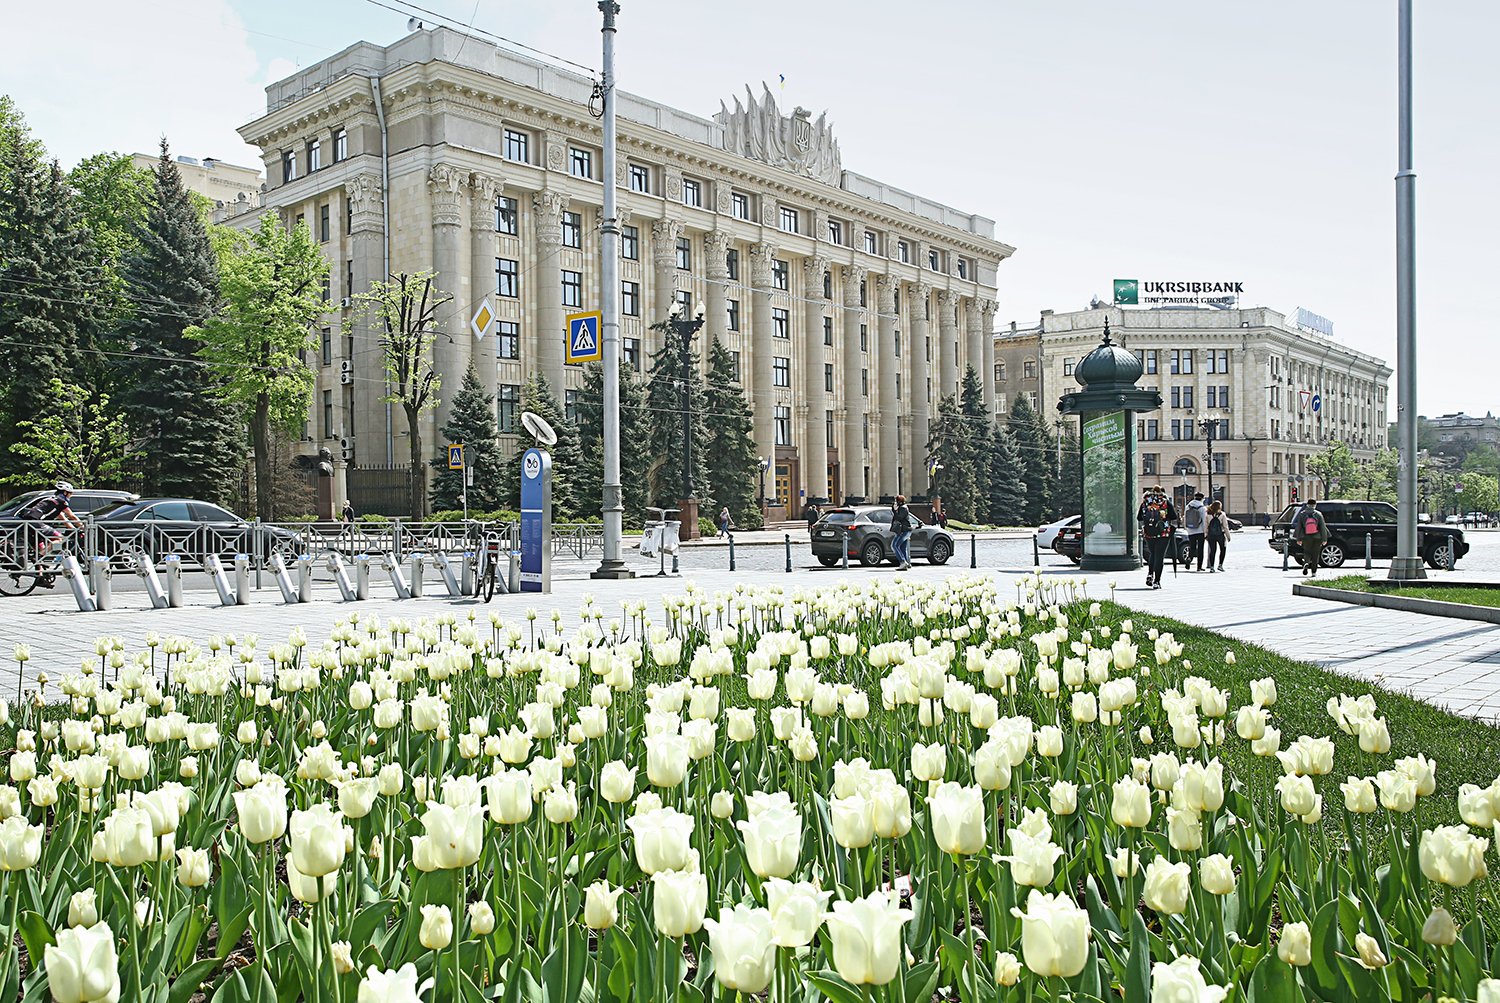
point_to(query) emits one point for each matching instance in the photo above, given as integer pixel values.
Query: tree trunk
(260, 436)
(418, 475)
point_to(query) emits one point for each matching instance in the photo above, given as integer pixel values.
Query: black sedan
(194, 529)
(866, 531)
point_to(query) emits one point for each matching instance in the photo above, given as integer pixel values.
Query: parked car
(867, 530)
(1069, 542)
(1046, 535)
(186, 526)
(85, 501)
(1349, 522)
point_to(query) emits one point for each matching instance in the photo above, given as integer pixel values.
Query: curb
(1406, 604)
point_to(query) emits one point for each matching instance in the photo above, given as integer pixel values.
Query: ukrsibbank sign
(1153, 292)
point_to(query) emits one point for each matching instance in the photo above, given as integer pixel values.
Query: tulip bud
(1368, 949)
(679, 901)
(1054, 935)
(1167, 886)
(481, 918)
(436, 932)
(1216, 874)
(1440, 930)
(83, 965)
(83, 909)
(193, 869)
(721, 805)
(1007, 969)
(1295, 945)
(343, 957)
(866, 938)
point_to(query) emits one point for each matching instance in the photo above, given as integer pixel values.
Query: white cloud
(97, 75)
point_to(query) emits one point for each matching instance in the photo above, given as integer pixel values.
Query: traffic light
(1294, 492)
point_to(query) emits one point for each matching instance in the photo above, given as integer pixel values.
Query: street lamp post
(685, 329)
(765, 465)
(1407, 563)
(1209, 425)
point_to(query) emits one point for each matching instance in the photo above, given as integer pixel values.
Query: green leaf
(830, 984)
(921, 982)
(231, 931)
(1273, 981)
(1138, 971)
(36, 934)
(192, 977)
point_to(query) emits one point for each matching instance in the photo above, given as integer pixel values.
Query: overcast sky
(1171, 139)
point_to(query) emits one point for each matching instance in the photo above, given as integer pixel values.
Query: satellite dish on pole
(539, 429)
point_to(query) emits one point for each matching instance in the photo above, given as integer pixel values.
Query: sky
(1160, 139)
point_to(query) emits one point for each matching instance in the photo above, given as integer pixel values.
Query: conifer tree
(589, 483)
(948, 444)
(1038, 468)
(190, 442)
(471, 423)
(671, 377)
(1069, 497)
(733, 467)
(1007, 499)
(979, 448)
(537, 397)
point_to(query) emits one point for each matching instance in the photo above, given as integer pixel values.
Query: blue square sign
(584, 344)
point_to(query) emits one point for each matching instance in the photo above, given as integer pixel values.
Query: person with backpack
(1309, 529)
(901, 533)
(53, 506)
(1217, 534)
(1155, 518)
(725, 522)
(1194, 523)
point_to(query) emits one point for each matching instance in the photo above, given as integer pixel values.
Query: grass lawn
(1470, 596)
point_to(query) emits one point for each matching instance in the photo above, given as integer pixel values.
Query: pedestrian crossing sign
(583, 337)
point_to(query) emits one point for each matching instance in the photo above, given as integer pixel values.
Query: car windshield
(1287, 513)
(10, 507)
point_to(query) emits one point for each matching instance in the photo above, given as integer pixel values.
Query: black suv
(1348, 524)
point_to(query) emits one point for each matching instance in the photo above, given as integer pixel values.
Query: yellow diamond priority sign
(483, 318)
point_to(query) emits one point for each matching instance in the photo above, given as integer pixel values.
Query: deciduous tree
(82, 439)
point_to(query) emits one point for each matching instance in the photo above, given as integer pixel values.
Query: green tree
(404, 309)
(733, 468)
(588, 485)
(1038, 460)
(948, 444)
(1335, 469)
(537, 397)
(172, 400)
(978, 446)
(271, 282)
(1069, 497)
(472, 423)
(15, 132)
(81, 439)
(1478, 494)
(1007, 499)
(672, 374)
(112, 196)
(1378, 477)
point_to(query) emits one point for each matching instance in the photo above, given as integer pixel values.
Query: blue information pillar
(536, 520)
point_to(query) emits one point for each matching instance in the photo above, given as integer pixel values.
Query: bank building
(850, 306)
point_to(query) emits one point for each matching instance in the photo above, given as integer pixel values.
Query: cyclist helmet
(64, 487)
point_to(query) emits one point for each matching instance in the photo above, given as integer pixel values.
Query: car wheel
(940, 551)
(1331, 556)
(1439, 556)
(871, 554)
(1184, 552)
(827, 560)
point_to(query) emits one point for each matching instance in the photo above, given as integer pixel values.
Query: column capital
(885, 293)
(814, 267)
(715, 250)
(549, 207)
(920, 290)
(483, 190)
(446, 184)
(365, 196)
(853, 275)
(760, 263)
(947, 298)
(971, 311)
(664, 234)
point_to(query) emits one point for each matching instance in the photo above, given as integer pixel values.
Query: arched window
(1185, 467)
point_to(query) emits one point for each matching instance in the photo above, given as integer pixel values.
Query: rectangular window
(630, 243)
(963, 268)
(1148, 360)
(517, 146)
(898, 389)
(572, 288)
(507, 218)
(1213, 392)
(835, 232)
(692, 193)
(572, 229)
(732, 265)
(828, 377)
(1067, 367)
(633, 353)
(1223, 431)
(999, 372)
(315, 155)
(864, 338)
(1187, 397)
(327, 289)
(1218, 361)
(570, 405)
(1028, 369)
(508, 404)
(781, 324)
(348, 216)
(903, 251)
(580, 163)
(864, 383)
(933, 260)
(828, 432)
(865, 432)
(734, 363)
(1153, 429)
(684, 301)
(288, 166)
(1221, 463)
(828, 285)
(1149, 462)
(323, 223)
(863, 294)
(630, 299)
(871, 242)
(340, 145)
(1182, 361)
(640, 178)
(999, 403)
(349, 278)
(783, 416)
(325, 341)
(685, 254)
(328, 414)
(828, 330)
(507, 281)
(781, 372)
(1223, 396)
(734, 315)
(779, 274)
(740, 205)
(789, 221)
(508, 339)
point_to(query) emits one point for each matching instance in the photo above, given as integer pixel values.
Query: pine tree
(1069, 497)
(588, 487)
(1007, 500)
(733, 466)
(1038, 468)
(670, 374)
(948, 444)
(537, 397)
(472, 423)
(191, 442)
(979, 448)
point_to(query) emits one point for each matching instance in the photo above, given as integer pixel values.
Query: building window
(572, 288)
(999, 372)
(732, 265)
(314, 155)
(789, 221)
(328, 414)
(734, 365)
(828, 330)
(507, 279)
(963, 268)
(903, 251)
(633, 353)
(1067, 367)
(864, 383)
(508, 343)
(739, 205)
(325, 341)
(288, 166)
(1150, 463)
(780, 322)
(572, 229)
(779, 274)
(517, 146)
(630, 299)
(999, 403)
(871, 243)
(684, 301)
(1153, 429)
(507, 219)
(734, 315)
(327, 289)
(898, 389)
(340, 145)
(640, 178)
(1028, 369)
(864, 338)
(933, 260)
(828, 285)
(508, 403)
(580, 163)
(781, 372)
(828, 432)
(570, 405)
(685, 254)
(828, 377)
(896, 337)
(630, 243)
(783, 415)
(692, 193)
(1223, 430)
(863, 294)
(323, 227)
(1182, 361)
(835, 232)
(865, 433)
(348, 216)
(1219, 396)
(1221, 463)
(1218, 361)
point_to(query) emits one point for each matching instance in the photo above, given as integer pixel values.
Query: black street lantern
(685, 329)
(1106, 409)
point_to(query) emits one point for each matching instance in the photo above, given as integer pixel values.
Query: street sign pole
(1407, 564)
(612, 566)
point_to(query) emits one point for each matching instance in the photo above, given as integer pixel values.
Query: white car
(1047, 535)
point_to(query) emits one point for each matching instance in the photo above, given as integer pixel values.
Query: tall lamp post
(1209, 426)
(1407, 564)
(685, 328)
(765, 465)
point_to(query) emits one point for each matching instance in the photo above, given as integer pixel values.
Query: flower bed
(890, 791)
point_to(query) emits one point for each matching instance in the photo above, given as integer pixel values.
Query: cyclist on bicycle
(54, 506)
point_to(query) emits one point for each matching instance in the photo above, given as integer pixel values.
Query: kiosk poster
(1105, 507)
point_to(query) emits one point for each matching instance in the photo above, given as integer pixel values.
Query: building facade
(850, 307)
(1458, 433)
(1270, 395)
(233, 189)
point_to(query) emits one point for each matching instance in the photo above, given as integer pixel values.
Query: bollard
(173, 564)
(341, 576)
(1286, 550)
(845, 531)
(392, 568)
(731, 553)
(515, 572)
(973, 551)
(76, 582)
(468, 573)
(675, 569)
(304, 578)
(283, 579)
(449, 579)
(1036, 552)
(362, 576)
(418, 567)
(215, 568)
(788, 552)
(147, 571)
(1367, 551)
(241, 579)
(99, 581)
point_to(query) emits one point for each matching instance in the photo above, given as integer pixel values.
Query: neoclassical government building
(850, 306)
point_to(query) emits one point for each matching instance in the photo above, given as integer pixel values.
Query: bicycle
(28, 560)
(491, 551)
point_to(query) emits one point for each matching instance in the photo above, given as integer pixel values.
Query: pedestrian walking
(348, 513)
(901, 533)
(1195, 523)
(725, 522)
(1311, 531)
(1217, 535)
(1155, 517)
(811, 514)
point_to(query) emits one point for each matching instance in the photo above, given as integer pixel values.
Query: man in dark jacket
(1156, 517)
(1309, 529)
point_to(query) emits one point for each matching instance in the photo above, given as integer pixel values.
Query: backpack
(1215, 528)
(1194, 518)
(1154, 521)
(44, 507)
(1310, 526)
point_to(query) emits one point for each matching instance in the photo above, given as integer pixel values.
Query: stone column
(919, 297)
(365, 420)
(664, 234)
(446, 184)
(547, 343)
(762, 364)
(888, 407)
(987, 374)
(852, 451)
(973, 340)
(947, 344)
(482, 194)
(814, 391)
(716, 293)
